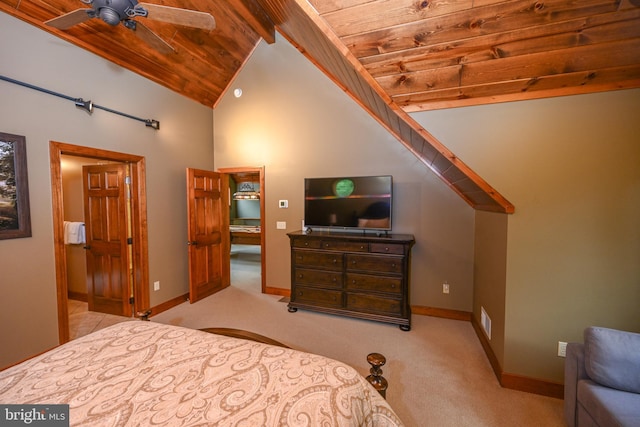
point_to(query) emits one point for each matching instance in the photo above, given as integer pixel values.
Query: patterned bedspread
(143, 373)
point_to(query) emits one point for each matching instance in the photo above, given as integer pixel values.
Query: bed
(140, 373)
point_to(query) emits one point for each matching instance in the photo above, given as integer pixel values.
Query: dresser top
(355, 236)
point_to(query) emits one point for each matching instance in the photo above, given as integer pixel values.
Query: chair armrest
(574, 371)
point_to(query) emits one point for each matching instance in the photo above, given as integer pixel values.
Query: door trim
(139, 226)
(263, 251)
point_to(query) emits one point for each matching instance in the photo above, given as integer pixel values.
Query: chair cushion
(612, 358)
(604, 406)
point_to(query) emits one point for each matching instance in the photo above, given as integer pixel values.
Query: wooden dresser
(356, 275)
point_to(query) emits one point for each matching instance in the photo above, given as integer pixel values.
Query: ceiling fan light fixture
(109, 15)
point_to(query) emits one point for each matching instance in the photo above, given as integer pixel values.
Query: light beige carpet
(82, 321)
(438, 373)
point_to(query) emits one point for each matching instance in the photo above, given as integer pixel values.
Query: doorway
(139, 248)
(246, 223)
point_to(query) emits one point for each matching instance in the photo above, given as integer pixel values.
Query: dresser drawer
(366, 282)
(374, 263)
(338, 245)
(323, 260)
(306, 243)
(318, 297)
(324, 279)
(384, 248)
(373, 304)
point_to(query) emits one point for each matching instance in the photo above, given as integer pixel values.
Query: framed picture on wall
(15, 218)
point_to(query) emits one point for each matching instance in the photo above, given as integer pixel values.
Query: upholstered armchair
(602, 379)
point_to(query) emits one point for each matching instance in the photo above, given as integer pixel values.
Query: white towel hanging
(74, 233)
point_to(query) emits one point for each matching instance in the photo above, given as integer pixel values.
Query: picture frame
(15, 216)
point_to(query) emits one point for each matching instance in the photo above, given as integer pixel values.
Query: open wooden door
(208, 232)
(106, 228)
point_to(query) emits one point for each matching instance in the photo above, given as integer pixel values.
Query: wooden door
(208, 233)
(105, 216)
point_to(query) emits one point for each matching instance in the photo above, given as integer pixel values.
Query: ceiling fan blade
(174, 15)
(152, 39)
(70, 19)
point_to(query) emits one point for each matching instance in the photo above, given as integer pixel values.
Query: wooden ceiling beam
(256, 17)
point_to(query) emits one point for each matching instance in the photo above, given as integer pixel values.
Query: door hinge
(129, 240)
(131, 300)
(127, 180)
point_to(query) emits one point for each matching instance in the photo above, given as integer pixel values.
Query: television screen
(362, 202)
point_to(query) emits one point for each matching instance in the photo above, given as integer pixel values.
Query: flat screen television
(350, 203)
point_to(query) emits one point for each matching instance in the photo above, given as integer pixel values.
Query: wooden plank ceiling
(430, 54)
(393, 57)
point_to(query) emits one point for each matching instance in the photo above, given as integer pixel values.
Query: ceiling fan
(114, 12)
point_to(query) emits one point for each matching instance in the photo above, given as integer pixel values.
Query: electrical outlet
(156, 285)
(445, 288)
(562, 349)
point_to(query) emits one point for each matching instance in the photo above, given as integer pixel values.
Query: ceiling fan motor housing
(114, 11)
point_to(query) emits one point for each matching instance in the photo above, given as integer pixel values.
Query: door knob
(192, 242)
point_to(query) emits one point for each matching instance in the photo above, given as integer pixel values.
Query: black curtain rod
(86, 105)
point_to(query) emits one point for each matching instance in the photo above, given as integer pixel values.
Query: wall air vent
(485, 321)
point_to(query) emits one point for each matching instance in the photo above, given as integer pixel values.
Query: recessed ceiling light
(237, 92)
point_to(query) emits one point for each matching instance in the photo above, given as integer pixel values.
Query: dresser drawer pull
(393, 265)
(306, 243)
(353, 262)
(335, 261)
(299, 293)
(386, 249)
(300, 276)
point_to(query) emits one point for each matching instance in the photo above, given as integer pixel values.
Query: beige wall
(28, 312)
(567, 258)
(571, 167)
(293, 120)
(490, 276)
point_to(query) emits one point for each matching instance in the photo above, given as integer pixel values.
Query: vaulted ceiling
(393, 57)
